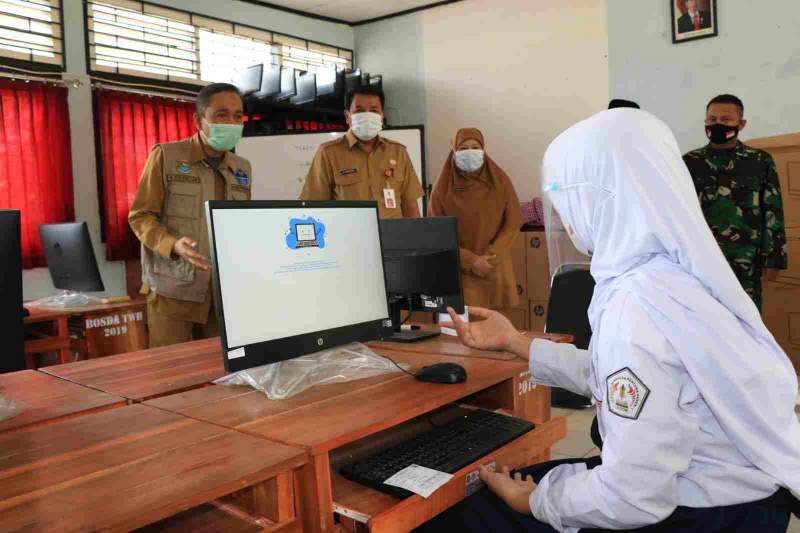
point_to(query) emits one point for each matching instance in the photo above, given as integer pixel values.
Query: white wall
(36, 282)
(756, 56)
(520, 71)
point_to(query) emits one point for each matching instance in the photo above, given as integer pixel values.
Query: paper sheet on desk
(419, 480)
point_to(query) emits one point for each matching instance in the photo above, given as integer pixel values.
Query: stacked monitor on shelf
(324, 88)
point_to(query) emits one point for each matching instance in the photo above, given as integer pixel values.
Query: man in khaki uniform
(362, 165)
(168, 217)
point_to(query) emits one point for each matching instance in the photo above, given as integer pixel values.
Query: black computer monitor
(70, 257)
(11, 292)
(248, 80)
(352, 80)
(306, 89)
(270, 82)
(294, 277)
(288, 84)
(326, 82)
(423, 270)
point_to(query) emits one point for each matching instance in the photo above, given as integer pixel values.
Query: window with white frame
(31, 31)
(139, 39)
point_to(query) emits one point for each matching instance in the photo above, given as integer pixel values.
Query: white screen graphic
(275, 286)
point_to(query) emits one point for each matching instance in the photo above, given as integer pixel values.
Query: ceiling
(350, 11)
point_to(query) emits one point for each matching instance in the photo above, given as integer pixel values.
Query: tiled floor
(577, 443)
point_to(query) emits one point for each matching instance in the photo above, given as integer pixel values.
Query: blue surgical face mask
(223, 137)
(469, 161)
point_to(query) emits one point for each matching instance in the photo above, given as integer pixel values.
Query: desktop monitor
(11, 292)
(423, 269)
(327, 81)
(306, 89)
(270, 82)
(288, 85)
(352, 80)
(294, 277)
(70, 257)
(248, 80)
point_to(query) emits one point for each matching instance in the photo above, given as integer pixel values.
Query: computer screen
(422, 264)
(270, 82)
(295, 277)
(248, 80)
(306, 89)
(70, 257)
(288, 84)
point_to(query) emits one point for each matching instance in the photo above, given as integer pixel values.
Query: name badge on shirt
(389, 199)
(347, 171)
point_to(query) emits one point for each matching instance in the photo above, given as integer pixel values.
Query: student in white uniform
(694, 397)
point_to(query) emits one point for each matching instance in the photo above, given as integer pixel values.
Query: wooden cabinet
(532, 268)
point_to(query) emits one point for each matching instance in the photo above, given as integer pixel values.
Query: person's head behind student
(219, 116)
(364, 112)
(619, 102)
(724, 120)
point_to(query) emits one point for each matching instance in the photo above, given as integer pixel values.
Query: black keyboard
(446, 448)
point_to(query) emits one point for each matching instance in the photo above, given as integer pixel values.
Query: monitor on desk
(70, 257)
(423, 271)
(288, 85)
(270, 82)
(248, 80)
(294, 277)
(306, 89)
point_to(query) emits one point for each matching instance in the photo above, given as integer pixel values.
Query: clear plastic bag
(67, 299)
(283, 380)
(9, 408)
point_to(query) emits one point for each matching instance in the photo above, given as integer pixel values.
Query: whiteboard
(280, 162)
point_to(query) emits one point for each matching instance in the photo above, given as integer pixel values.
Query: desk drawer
(382, 513)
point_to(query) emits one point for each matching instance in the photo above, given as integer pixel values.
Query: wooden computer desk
(97, 330)
(449, 345)
(334, 421)
(47, 399)
(147, 374)
(132, 466)
(55, 340)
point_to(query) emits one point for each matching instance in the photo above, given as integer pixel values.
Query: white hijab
(619, 180)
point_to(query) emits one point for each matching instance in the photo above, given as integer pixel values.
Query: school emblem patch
(626, 394)
(184, 168)
(242, 177)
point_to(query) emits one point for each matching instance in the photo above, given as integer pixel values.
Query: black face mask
(720, 133)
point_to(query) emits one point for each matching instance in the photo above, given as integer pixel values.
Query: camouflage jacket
(740, 195)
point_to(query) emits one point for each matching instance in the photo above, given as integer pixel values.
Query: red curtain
(35, 160)
(129, 126)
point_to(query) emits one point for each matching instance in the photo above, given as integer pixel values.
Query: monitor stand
(396, 334)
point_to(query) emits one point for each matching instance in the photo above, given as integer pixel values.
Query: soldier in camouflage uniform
(740, 195)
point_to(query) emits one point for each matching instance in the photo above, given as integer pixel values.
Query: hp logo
(320, 342)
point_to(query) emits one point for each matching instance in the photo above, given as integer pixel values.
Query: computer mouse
(443, 373)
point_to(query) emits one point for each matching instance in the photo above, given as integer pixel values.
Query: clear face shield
(562, 253)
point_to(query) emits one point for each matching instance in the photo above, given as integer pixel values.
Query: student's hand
(482, 266)
(770, 274)
(493, 333)
(515, 491)
(185, 248)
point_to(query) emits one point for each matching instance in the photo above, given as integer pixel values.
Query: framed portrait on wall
(693, 19)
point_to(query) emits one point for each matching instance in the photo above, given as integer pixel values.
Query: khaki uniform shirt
(144, 220)
(342, 170)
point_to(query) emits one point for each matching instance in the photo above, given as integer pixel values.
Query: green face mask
(224, 137)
